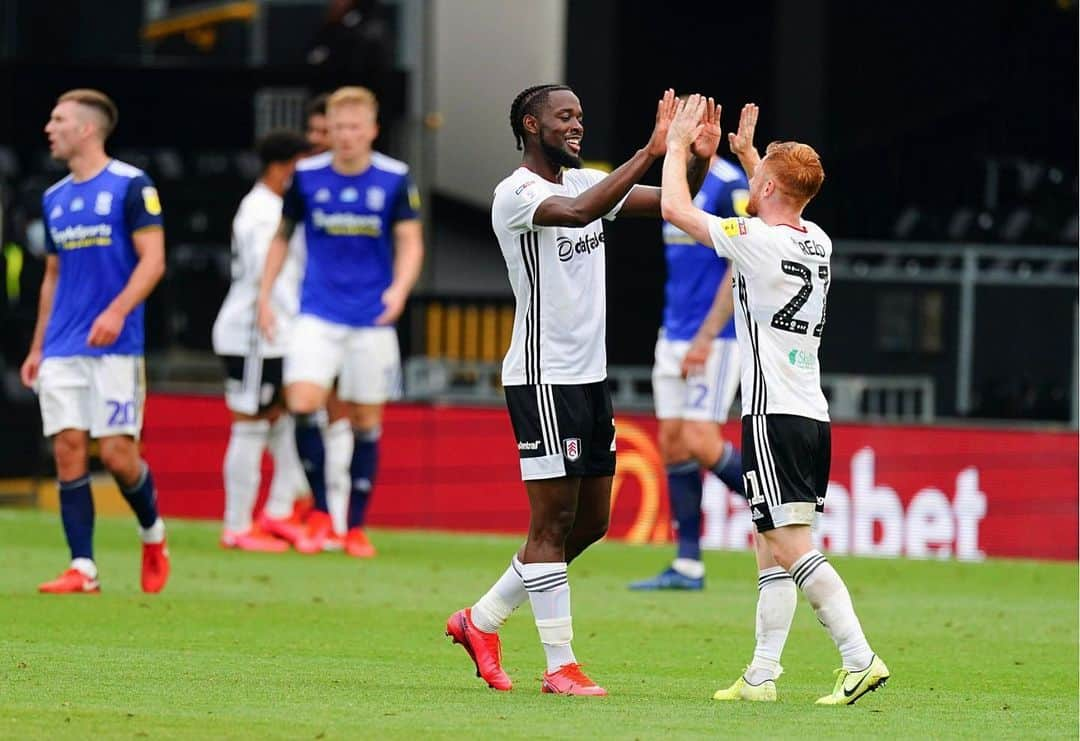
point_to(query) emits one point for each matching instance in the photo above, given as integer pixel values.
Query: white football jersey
(236, 329)
(781, 280)
(558, 277)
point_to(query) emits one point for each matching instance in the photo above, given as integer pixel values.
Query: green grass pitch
(288, 646)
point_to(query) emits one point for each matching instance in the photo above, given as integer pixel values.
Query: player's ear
(531, 124)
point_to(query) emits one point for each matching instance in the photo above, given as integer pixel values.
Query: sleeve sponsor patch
(414, 198)
(151, 201)
(734, 227)
(526, 191)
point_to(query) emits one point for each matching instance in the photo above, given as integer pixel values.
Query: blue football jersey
(693, 271)
(89, 226)
(348, 226)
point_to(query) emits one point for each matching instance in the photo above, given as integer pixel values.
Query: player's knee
(594, 531)
(702, 442)
(69, 449)
(554, 528)
(672, 448)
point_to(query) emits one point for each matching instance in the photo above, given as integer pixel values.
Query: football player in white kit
(781, 264)
(547, 218)
(253, 363)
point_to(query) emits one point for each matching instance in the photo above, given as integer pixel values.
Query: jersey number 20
(785, 318)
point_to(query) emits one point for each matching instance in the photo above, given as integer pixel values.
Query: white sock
(339, 450)
(829, 597)
(777, 598)
(505, 596)
(153, 534)
(243, 459)
(549, 595)
(289, 481)
(86, 566)
(689, 567)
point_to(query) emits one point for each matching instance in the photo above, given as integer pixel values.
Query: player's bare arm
(676, 204)
(602, 197)
(29, 370)
(644, 200)
(275, 258)
(408, 261)
(149, 245)
(723, 306)
(741, 142)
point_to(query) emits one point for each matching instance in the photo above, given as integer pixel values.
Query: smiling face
(561, 128)
(70, 125)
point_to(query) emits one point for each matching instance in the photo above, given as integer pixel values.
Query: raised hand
(706, 143)
(742, 141)
(665, 112)
(687, 124)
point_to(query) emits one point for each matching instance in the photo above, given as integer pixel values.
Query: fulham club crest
(572, 448)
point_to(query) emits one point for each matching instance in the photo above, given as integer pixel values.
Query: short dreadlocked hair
(529, 102)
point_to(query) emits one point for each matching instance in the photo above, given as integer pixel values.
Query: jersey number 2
(785, 318)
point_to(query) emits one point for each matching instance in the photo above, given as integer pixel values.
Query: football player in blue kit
(106, 252)
(696, 374)
(360, 214)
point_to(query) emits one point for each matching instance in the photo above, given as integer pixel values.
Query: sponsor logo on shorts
(529, 445)
(572, 448)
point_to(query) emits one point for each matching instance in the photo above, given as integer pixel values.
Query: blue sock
(77, 514)
(312, 452)
(142, 497)
(365, 459)
(729, 469)
(684, 491)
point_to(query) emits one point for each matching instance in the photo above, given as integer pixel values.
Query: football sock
(243, 458)
(289, 481)
(339, 450)
(505, 596)
(729, 469)
(77, 516)
(142, 497)
(549, 595)
(777, 598)
(312, 452)
(829, 597)
(684, 492)
(365, 459)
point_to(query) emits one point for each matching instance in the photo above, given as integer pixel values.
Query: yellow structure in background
(467, 331)
(107, 497)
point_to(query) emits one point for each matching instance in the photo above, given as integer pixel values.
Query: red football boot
(290, 529)
(483, 648)
(155, 566)
(357, 544)
(568, 679)
(302, 508)
(71, 581)
(254, 540)
(319, 531)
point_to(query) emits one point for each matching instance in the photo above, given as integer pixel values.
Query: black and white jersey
(235, 331)
(781, 280)
(558, 278)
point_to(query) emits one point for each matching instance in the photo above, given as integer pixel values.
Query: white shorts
(706, 397)
(365, 361)
(103, 394)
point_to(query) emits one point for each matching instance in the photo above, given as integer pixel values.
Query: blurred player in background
(253, 363)
(364, 242)
(781, 264)
(106, 252)
(546, 216)
(696, 374)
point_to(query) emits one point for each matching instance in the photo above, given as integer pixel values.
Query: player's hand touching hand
(665, 111)
(687, 125)
(706, 143)
(106, 328)
(693, 363)
(29, 371)
(394, 301)
(741, 142)
(267, 320)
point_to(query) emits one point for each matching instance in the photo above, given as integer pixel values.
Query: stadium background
(949, 137)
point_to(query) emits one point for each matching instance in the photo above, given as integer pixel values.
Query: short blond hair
(352, 95)
(797, 169)
(99, 102)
